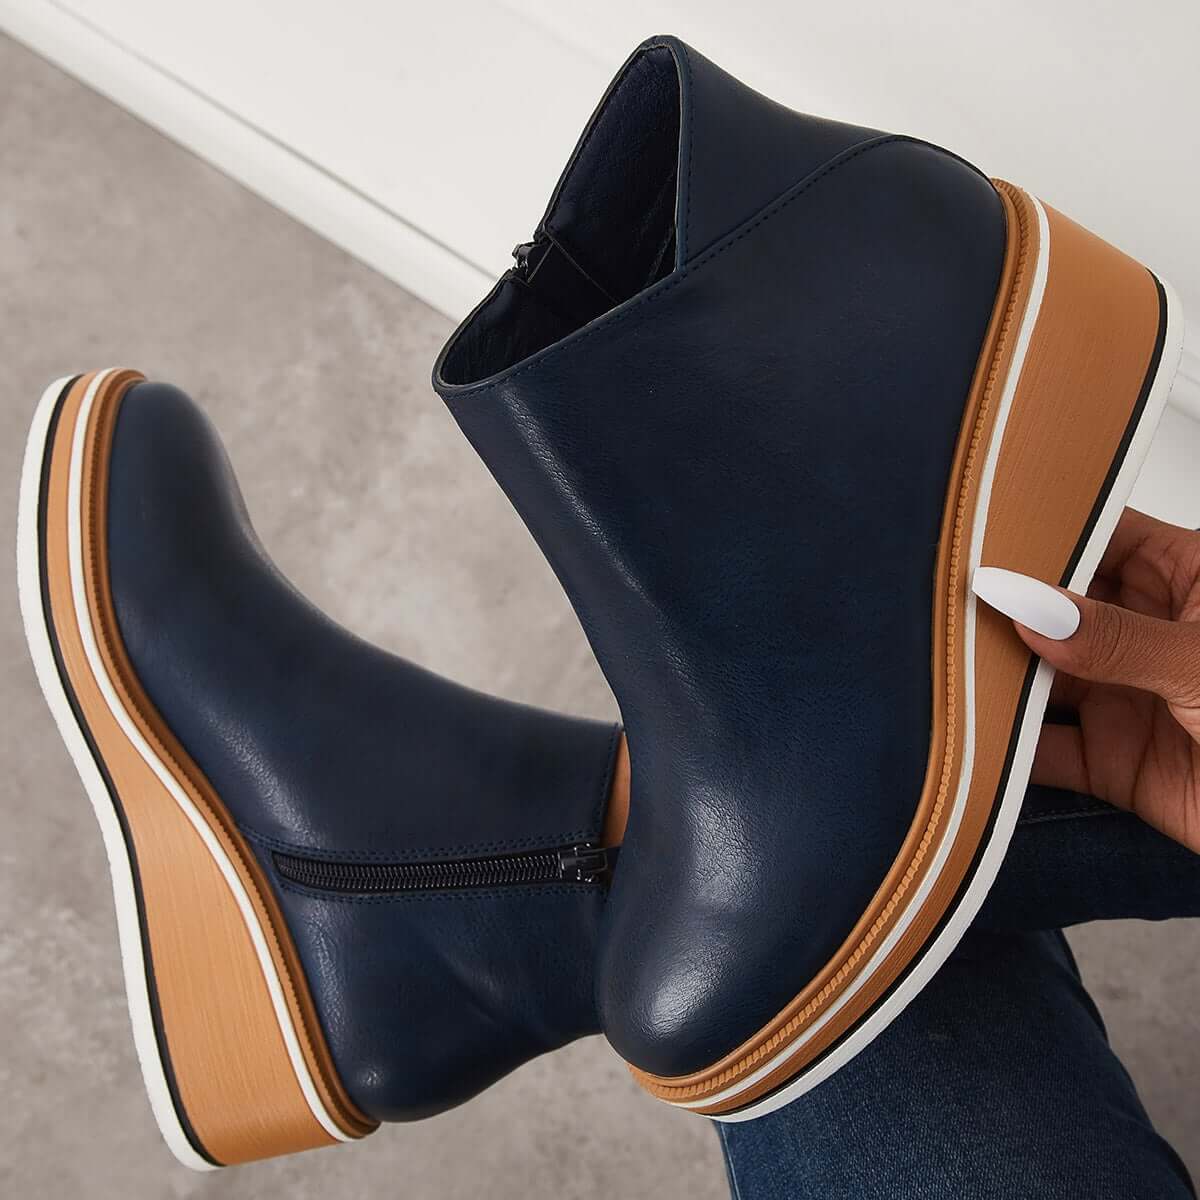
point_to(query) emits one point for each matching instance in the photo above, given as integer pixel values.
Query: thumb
(1102, 643)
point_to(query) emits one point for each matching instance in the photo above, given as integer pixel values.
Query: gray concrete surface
(116, 247)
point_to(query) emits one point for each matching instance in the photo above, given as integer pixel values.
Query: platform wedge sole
(231, 1051)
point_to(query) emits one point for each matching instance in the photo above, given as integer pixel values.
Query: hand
(1128, 657)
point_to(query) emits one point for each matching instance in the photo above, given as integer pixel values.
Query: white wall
(425, 138)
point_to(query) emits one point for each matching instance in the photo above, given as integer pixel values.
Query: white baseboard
(332, 207)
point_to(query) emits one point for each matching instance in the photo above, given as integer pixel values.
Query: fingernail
(1042, 608)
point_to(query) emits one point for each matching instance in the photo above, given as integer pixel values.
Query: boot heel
(231, 1052)
(1076, 372)
(1086, 380)
(1078, 392)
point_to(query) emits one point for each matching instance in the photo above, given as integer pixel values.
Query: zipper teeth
(544, 866)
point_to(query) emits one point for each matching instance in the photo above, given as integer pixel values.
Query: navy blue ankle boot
(347, 891)
(766, 389)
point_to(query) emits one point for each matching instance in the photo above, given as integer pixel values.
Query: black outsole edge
(160, 1036)
(1026, 688)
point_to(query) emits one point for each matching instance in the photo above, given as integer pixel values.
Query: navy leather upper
(324, 746)
(738, 474)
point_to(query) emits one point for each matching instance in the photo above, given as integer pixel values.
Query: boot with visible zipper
(766, 388)
(348, 891)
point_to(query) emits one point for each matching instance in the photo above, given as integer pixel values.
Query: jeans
(998, 1080)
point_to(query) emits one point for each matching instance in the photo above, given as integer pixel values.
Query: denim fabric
(1075, 859)
(998, 1080)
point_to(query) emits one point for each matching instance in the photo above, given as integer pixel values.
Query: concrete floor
(116, 247)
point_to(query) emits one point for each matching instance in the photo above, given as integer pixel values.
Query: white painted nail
(1035, 604)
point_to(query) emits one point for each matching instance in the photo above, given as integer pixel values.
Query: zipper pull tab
(523, 263)
(585, 864)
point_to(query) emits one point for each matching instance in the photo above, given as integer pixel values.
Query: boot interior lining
(608, 235)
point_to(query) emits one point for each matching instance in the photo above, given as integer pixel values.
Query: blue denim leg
(998, 1081)
(1075, 859)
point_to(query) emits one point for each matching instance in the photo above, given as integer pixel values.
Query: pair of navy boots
(766, 389)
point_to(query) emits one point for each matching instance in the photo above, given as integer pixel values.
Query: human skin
(1130, 676)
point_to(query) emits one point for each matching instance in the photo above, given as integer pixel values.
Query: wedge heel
(231, 1051)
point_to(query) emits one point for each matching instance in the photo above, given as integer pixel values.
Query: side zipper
(584, 863)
